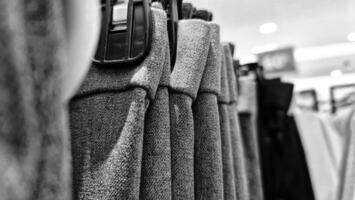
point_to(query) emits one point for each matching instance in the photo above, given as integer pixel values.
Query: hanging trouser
(208, 171)
(247, 107)
(34, 136)
(156, 163)
(108, 122)
(240, 173)
(344, 122)
(192, 50)
(229, 187)
(284, 168)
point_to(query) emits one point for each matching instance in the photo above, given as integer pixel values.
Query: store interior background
(322, 33)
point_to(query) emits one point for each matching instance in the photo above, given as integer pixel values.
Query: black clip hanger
(188, 10)
(125, 32)
(210, 18)
(203, 14)
(333, 90)
(313, 95)
(255, 68)
(173, 9)
(232, 47)
(173, 17)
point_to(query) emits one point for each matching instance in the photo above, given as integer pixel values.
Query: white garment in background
(344, 123)
(336, 141)
(324, 176)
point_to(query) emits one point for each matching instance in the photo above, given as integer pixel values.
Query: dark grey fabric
(247, 116)
(192, 51)
(208, 171)
(107, 122)
(182, 142)
(34, 137)
(229, 186)
(241, 182)
(156, 163)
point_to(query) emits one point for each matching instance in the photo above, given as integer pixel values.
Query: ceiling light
(268, 28)
(351, 37)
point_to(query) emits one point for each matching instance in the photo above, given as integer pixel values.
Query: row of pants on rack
(195, 130)
(152, 131)
(156, 131)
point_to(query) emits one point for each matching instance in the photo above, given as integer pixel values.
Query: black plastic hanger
(187, 10)
(333, 90)
(232, 47)
(255, 68)
(173, 9)
(202, 14)
(125, 33)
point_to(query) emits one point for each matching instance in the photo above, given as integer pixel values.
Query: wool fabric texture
(192, 50)
(108, 124)
(241, 182)
(208, 173)
(34, 137)
(247, 108)
(229, 186)
(156, 163)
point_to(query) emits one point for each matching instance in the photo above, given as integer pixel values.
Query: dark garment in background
(247, 107)
(34, 137)
(108, 123)
(192, 51)
(227, 151)
(284, 168)
(241, 182)
(208, 172)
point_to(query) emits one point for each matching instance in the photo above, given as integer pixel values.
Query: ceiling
(301, 23)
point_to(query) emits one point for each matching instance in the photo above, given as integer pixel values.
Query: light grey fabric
(247, 108)
(34, 137)
(208, 171)
(229, 186)
(192, 50)
(156, 163)
(344, 123)
(241, 182)
(108, 123)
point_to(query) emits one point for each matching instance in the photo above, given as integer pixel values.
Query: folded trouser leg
(156, 163)
(227, 156)
(182, 145)
(192, 50)
(107, 119)
(208, 170)
(241, 182)
(208, 152)
(109, 151)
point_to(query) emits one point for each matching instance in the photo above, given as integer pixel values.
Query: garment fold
(229, 185)
(241, 182)
(208, 173)
(192, 50)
